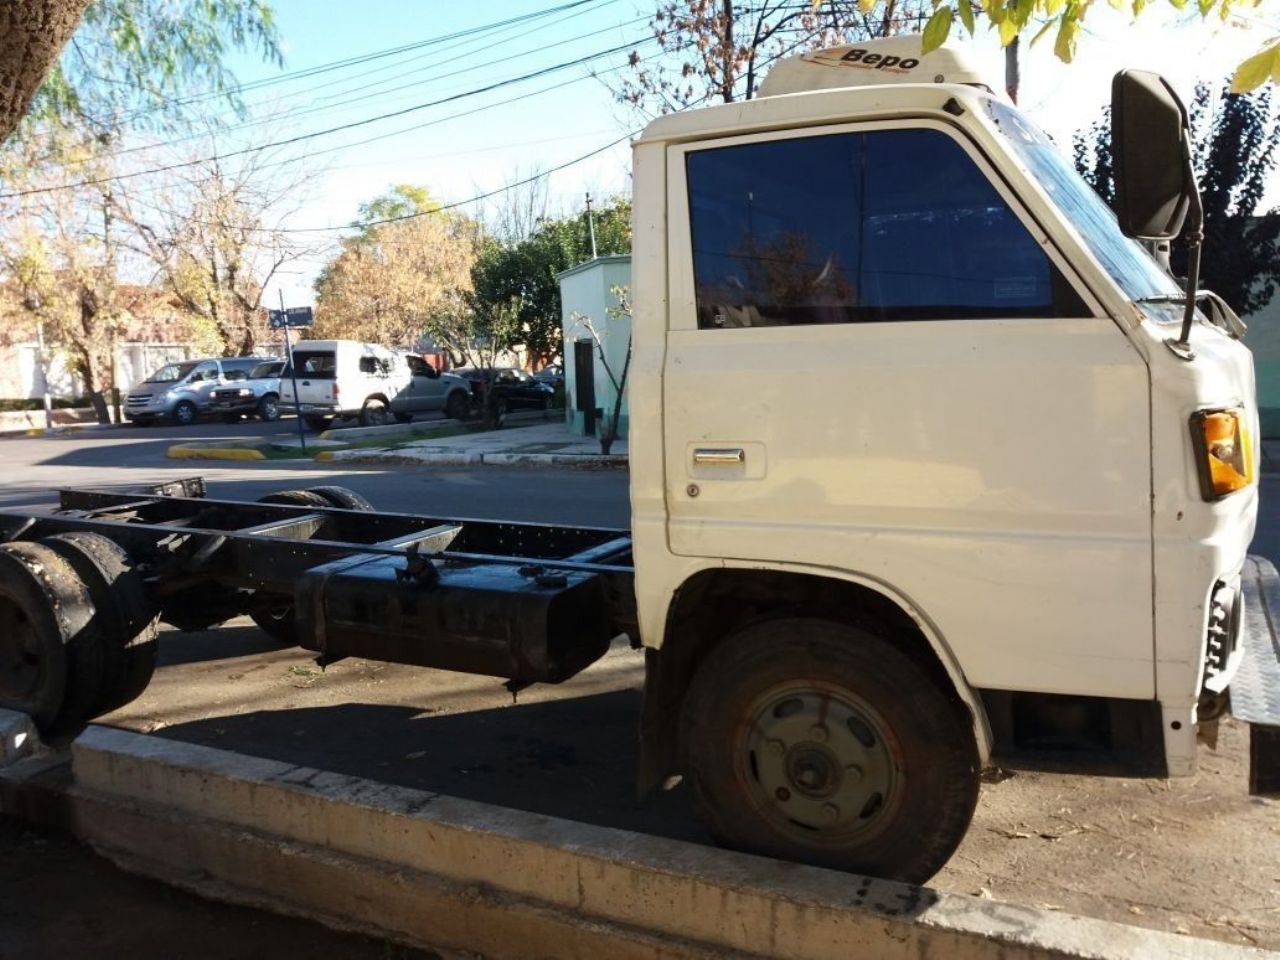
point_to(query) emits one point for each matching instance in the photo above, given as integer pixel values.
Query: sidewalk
(549, 444)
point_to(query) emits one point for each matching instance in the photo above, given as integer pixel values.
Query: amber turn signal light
(1224, 453)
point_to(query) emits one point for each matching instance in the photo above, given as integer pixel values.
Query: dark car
(516, 389)
(552, 375)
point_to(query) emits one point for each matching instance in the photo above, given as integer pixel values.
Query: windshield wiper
(1219, 311)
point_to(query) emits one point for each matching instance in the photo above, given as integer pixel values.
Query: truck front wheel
(819, 742)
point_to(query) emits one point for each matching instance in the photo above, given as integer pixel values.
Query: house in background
(586, 293)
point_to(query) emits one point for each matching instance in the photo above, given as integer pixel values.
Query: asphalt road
(31, 467)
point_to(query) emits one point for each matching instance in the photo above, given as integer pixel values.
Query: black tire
(278, 622)
(125, 617)
(457, 407)
(767, 783)
(185, 413)
(275, 615)
(374, 413)
(342, 497)
(50, 647)
(297, 498)
(318, 424)
(269, 408)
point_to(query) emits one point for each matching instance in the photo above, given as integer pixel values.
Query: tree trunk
(32, 35)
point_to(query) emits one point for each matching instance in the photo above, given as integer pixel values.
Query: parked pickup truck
(1001, 518)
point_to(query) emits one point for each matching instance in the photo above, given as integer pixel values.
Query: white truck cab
(997, 510)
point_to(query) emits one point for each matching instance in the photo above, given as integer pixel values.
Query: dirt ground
(1194, 855)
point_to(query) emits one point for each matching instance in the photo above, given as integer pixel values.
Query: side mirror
(1151, 150)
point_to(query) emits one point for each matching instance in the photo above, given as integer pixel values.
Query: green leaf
(864, 6)
(1255, 71)
(1065, 46)
(1180, 4)
(937, 30)
(966, 15)
(1053, 7)
(1008, 30)
(1206, 6)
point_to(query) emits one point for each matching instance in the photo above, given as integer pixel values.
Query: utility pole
(293, 374)
(591, 225)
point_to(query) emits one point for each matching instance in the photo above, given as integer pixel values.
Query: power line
(377, 94)
(320, 133)
(213, 94)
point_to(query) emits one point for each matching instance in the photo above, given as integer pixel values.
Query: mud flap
(1255, 689)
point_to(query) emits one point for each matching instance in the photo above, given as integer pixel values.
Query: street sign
(293, 317)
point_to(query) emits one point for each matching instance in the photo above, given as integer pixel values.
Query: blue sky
(460, 157)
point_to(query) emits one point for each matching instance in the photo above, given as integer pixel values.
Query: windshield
(1129, 264)
(171, 373)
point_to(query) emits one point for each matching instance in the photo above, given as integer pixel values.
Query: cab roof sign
(871, 63)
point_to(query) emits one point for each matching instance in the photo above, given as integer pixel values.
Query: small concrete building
(587, 295)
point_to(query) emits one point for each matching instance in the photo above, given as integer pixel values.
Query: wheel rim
(21, 663)
(377, 415)
(270, 409)
(184, 413)
(819, 763)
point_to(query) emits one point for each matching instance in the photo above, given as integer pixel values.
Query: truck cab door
(878, 364)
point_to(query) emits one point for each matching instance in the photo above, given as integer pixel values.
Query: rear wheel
(457, 407)
(815, 741)
(269, 408)
(50, 648)
(184, 414)
(125, 617)
(342, 497)
(275, 615)
(374, 413)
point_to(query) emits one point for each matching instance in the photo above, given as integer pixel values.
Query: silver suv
(182, 391)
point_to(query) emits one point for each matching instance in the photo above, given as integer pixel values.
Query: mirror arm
(1195, 243)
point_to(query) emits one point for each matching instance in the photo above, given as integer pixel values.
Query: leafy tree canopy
(522, 275)
(152, 63)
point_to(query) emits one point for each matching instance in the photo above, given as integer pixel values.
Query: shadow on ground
(572, 758)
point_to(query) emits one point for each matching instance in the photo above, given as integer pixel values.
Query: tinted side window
(314, 365)
(851, 228)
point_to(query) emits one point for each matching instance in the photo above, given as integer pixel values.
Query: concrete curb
(469, 876)
(449, 458)
(188, 452)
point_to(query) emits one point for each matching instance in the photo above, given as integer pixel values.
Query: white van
(346, 378)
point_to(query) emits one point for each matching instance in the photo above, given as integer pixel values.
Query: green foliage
(1066, 18)
(523, 274)
(149, 63)
(401, 200)
(1236, 137)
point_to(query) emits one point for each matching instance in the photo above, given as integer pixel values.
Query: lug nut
(777, 747)
(830, 812)
(818, 732)
(783, 794)
(853, 773)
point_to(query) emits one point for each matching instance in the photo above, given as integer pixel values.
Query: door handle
(719, 456)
